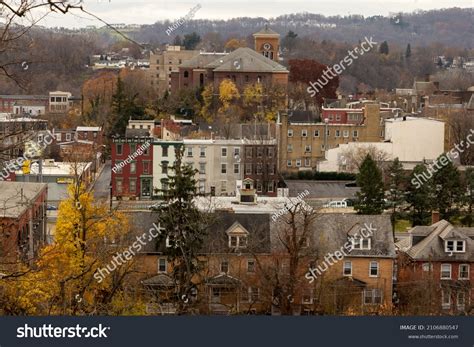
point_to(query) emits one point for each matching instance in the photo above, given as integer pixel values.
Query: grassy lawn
(402, 225)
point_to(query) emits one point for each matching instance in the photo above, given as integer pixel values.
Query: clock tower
(267, 43)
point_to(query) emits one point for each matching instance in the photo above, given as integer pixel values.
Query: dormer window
(455, 246)
(237, 236)
(361, 243)
(237, 241)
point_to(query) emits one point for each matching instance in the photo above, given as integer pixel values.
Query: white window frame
(345, 133)
(468, 271)
(337, 133)
(288, 163)
(450, 271)
(224, 168)
(370, 268)
(307, 149)
(304, 133)
(202, 152)
(289, 148)
(290, 132)
(355, 133)
(458, 305)
(165, 264)
(427, 267)
(298, 163)
(445, 305)
(455, 244)
(236, 152)
(316, 133)
(358, 243)
(307, 162)
(224, 152)
(237, 166)
(189, 152)
(344, 268)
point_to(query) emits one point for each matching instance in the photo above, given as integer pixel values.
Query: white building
(412, 140)
(164, 156)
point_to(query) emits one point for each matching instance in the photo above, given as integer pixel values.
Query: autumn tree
(234, 43)
(304, 71)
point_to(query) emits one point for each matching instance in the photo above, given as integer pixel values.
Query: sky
(150, 11)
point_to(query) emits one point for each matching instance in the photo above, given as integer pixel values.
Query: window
(259, 187)
(202, 186)
(259, 168)
(164, 168)
(223, 186)
(119, 186)
(68, 137)
(146, 167)
(236, 168)
(236, 152)
(270, 187)
(346, 133)
(461, 301)
(338, 117)
(360, 243)
(271, 169)
(355, 133)
(290, 132)
(338, 133)
(288, 163)
(250, 265)
(304, 133)
(374, 269)
(133, 147)
(270, 152)
(119, 149)
(248, 152)
(331, 117)
(133, 167)
(119, 166)
(316, 133)
(165, 151)
(254, 294)
(445, 271)
(189, 151)
(202, 152)
(233, 241)
(464, 271)
(223, 168)
(372, 296)
(307, 149)
(259, 152)
(162, 265)
(298, 162)
(236, 241)
(347, 269)
(328, 132)
(289, 148)
(427, 267)
(133, 185)
(186, 74)
(446, 299)
(455, 246)
(224, 152)
(248, 169)
(307, 162)
(225, 266)
(202, 168)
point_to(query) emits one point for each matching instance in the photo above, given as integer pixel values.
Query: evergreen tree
(370, 199)
(289, 40)
(190, 41)
(183, 226)
(408, 51)
(384, 48)
(420, 197)
(396, 182)
(177, 41)
(448, 189)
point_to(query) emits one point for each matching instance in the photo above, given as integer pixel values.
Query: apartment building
(303, 142)
(163, 63)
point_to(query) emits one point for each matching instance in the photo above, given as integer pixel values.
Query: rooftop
(16, 196)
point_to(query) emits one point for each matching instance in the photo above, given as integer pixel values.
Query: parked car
(336, 204)
(157, 205)
(51, 207)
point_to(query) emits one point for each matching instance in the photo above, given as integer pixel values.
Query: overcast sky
(149, 11)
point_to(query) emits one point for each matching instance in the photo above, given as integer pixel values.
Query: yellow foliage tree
(228, 93)
(62, 280)
(233, 44)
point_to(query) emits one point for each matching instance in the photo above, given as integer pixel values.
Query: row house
(303, 142)
(245, 267)
(164, 156)
(434, 269)
(22, 220)
(56, 102)
(132, 171)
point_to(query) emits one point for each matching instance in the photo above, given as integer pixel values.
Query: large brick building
(303, 141)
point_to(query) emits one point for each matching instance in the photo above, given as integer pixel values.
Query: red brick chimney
(434, 217)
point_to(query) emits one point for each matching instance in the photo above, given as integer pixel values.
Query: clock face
(267, 46)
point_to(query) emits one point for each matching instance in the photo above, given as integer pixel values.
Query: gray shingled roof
(321, 189)
(266, 31)
(245, 59)
(431, 247)
(201, 60)
(330, 233)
